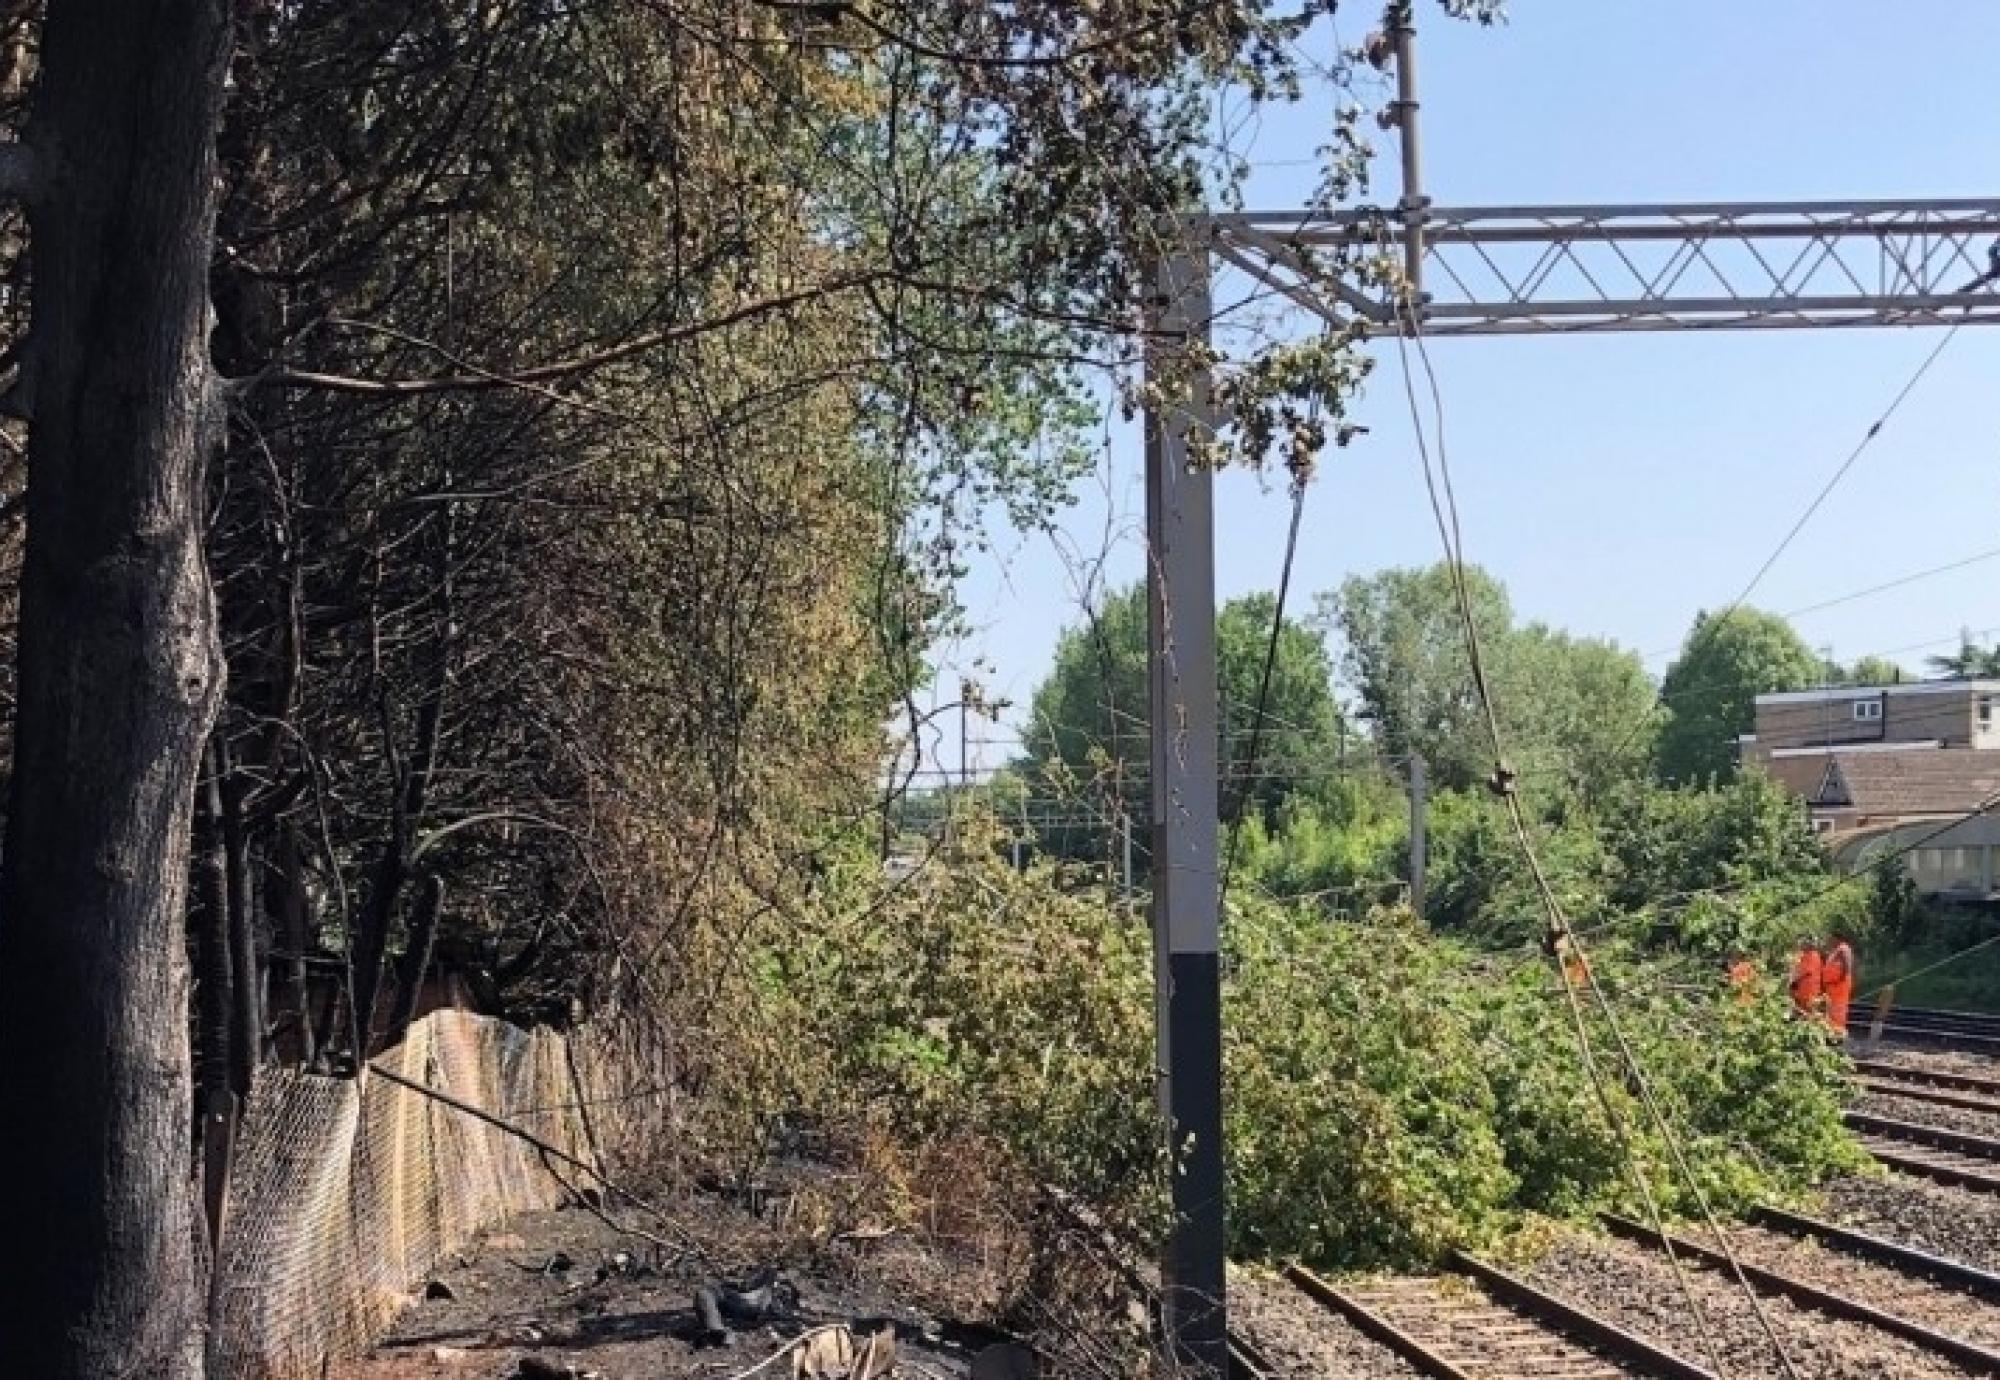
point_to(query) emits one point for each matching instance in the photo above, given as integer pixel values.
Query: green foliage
(1729, 869)
(1673, 840)
(1343, 845)
(1480, 882)
(1574, 710)
(1403, 652)
(1087, 731)
(1391, 1094)
(1711, 691)
(1873, 670)
(1969, 662)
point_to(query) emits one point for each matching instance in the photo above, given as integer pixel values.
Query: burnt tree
(119, 678)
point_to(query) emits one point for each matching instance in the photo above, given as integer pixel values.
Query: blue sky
(1620, 483)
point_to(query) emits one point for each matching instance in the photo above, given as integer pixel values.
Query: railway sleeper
(1487, 1324)
(1971, 1355)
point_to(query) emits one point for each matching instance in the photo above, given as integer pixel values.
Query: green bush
(1390, 1093)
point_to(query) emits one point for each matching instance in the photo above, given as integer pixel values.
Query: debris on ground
(564, 1295)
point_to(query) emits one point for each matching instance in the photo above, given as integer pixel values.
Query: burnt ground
(623, 1306)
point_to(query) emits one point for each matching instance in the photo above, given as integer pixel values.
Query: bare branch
(482, 380)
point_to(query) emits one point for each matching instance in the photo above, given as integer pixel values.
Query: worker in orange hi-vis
(1837, 982)
(1807, 978)
(1743, 978)
(1576, 968)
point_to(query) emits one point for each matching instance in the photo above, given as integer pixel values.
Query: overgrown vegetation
(1396, 1086)
(1391, 1092)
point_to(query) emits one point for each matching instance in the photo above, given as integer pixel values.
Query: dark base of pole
(1194, 1273)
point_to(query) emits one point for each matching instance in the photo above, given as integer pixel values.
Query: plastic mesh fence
(344, 1195)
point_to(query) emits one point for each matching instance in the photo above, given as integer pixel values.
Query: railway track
(1895, 1289)
(1919, 1076)
(1919, 1089)
(1484, 1324)
(1973, 1031)
(1948, 1157)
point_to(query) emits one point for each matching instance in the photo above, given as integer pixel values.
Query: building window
(1986, 711)
(1867, 711)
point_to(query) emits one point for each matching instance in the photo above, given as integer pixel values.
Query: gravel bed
(1936, 1306)
(1937, 1060)
(1300, 1338)
(1933, 1114)
(1634, 1287)
(1950, 1222)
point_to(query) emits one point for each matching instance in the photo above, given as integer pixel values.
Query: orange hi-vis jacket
(1837, 981)
(1743, 979)
(1806, 980)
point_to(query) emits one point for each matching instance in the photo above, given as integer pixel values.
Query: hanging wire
(1563, 938)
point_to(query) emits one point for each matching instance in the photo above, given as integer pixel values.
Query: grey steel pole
(1414, 204)
(1419, 833)
(1181, 683)
(1125, 849)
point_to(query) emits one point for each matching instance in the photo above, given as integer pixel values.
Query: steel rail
(1968, 1354)
(1971, 1041)
(1958, 1142)
(1934, 1015)
(1558, 1323)
(1910, 1260)
(1373, 1324)
(1920, 1092)
(1524, 1297)
(1978, 1179)
(1963, 1082)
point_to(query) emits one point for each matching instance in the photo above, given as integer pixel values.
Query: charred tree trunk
(416, 958)
(246, 1007)
(299, 938)
(119, 676)
(215, 983)
(392, 866)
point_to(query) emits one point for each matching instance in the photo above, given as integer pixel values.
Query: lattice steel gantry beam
(1539, 270)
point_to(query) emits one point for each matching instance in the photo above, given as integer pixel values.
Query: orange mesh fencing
(345, 1194)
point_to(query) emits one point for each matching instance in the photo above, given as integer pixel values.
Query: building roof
(1885, 784)
(1800, 775)
(1901, 688)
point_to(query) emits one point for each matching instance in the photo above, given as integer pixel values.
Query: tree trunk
(119, 677)
(299, 939)
(215, 983)
(416, 959)
(246, 1009)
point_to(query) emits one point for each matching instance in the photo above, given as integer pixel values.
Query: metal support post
(1125, 850)
(1181, 680)
(1414, 204)
(1419, 833)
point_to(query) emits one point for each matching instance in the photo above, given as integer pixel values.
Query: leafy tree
(1574, 708)
(1087, 737)
(1669, 842)
(1873, 670)
(519, 421)
(1343, 845)
(1403, 652)
(1969, 662)
(1577, 707)
(1710, 692)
